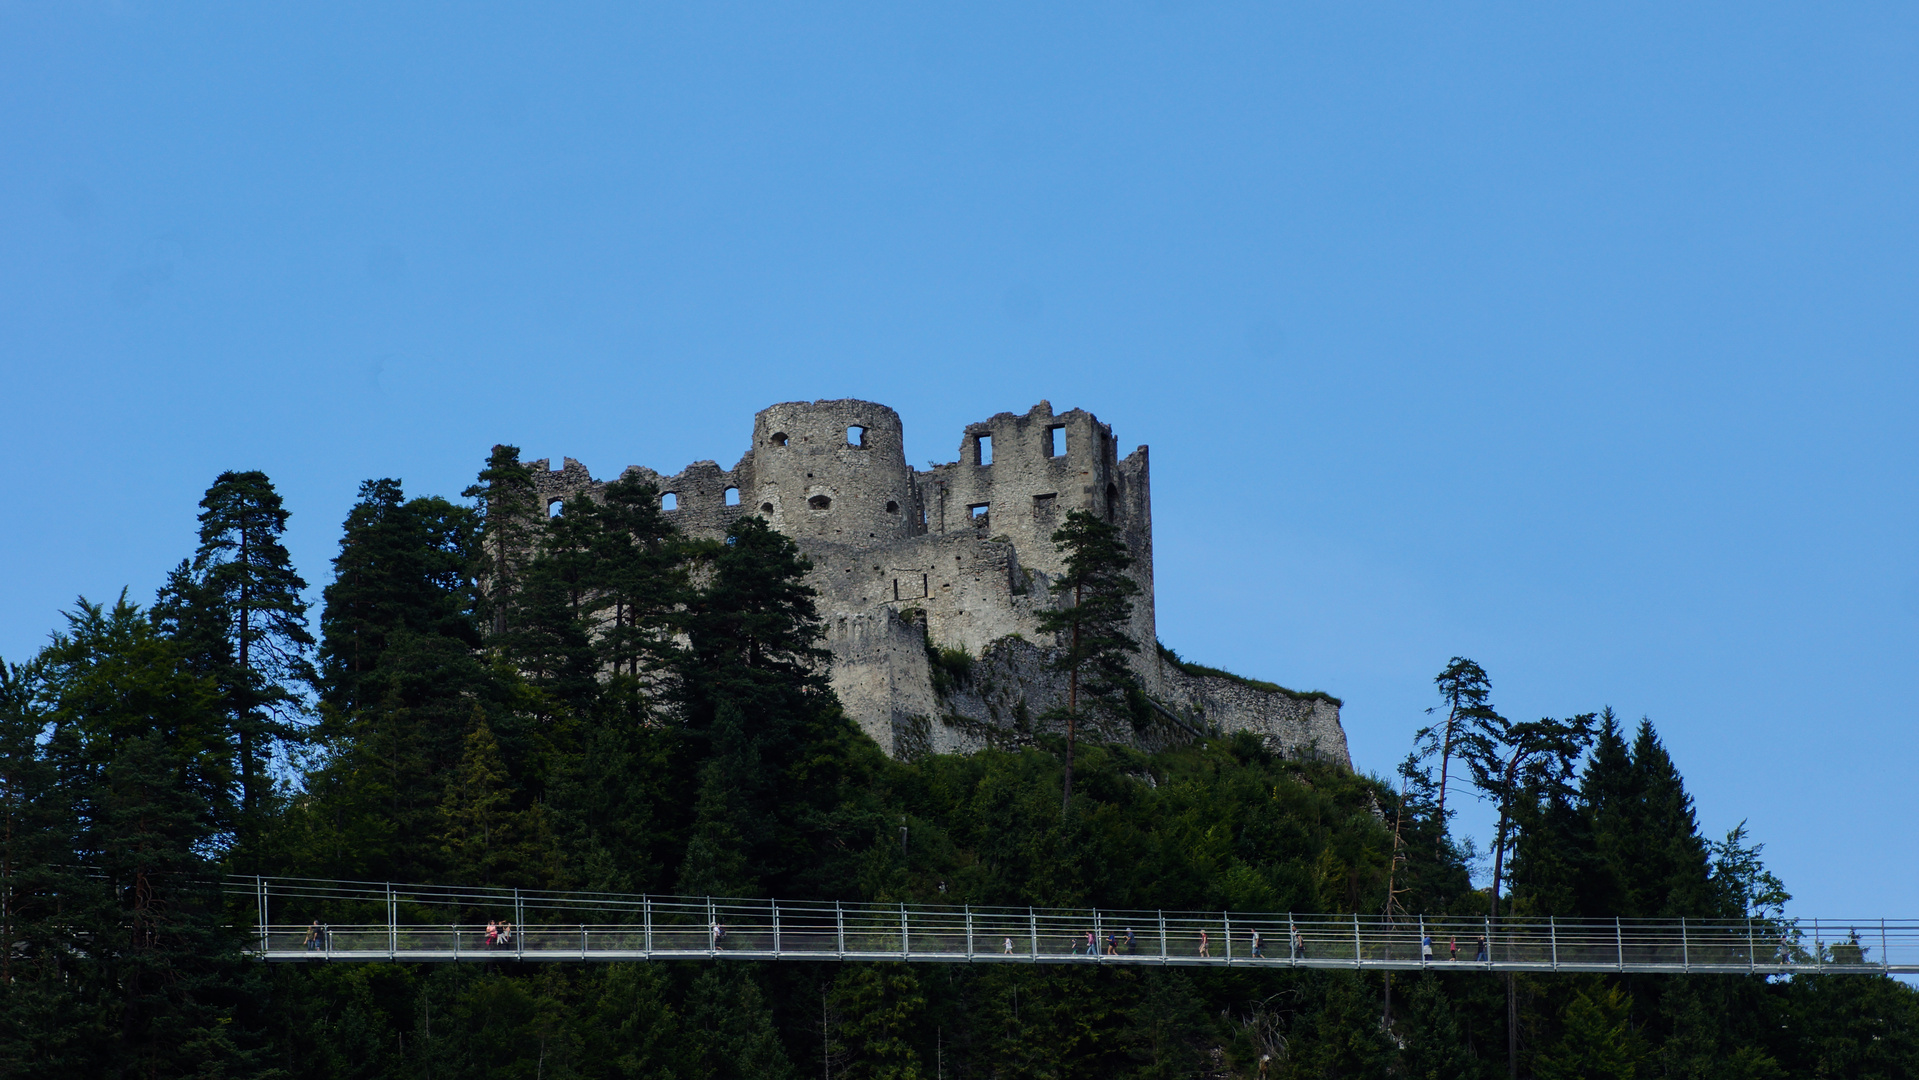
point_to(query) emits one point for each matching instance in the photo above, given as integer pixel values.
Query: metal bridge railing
(363, 921)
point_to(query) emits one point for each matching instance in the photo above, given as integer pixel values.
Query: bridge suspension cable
(307, 920)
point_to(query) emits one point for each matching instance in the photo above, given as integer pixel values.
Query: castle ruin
(932, 582)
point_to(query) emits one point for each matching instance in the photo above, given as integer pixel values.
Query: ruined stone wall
(959, 556)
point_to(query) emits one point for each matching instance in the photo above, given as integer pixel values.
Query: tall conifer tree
(239, 609)
(1092, 621)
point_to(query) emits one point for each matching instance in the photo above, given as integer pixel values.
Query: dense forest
(587, 700)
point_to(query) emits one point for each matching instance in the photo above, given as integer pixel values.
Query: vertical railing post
(969, 931)
(646, 925)
(1619, 935)
(1752, 956)
(1032, 922)
(712, 920)
(582, 941)
(1489, 942)
(1818, 948)
(839, 923)
(776, 928)
(1885, 957)
(260, 887)
(1162, 936)
(1685, 948)
(456, 941)
(905, 948)
(1358, 955)
(1099, 939)
(519, 927)
(1226, 921)
(1292, 935)
(1552, 933)
(392, 924)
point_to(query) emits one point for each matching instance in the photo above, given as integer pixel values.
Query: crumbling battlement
(957, 556)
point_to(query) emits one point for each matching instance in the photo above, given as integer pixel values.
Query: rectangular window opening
(732, 496)
(1056, 442)
(978, 510)
(856, 437)
(670, 501)
(985, 449)
(1044, 504)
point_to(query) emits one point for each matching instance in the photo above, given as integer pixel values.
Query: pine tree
(142, 963)
(1597, 1040)
(404, 568)
(1673, 861)
(731, 1026)
(1097, 596)
(882, 1005)
(638, 577)
(1466, 691)
(239, 610)
(400, 678)
(509, 507)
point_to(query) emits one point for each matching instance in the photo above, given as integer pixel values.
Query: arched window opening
(766, 508)
(856, 437)
(779, 438)
(732, 496)
(670, 501)
(819, 502)
(555, 508)
(892, 507)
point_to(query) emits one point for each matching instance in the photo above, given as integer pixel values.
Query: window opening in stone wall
(670, 501)
(856, 437)
(892, 507)
(779, 438)
(979, 512)
(766, 508)
(819, 502)
(732, 496)
(1055, 442)
(556, 508)
(1112, 502)
(1043, 504)
(985, 446)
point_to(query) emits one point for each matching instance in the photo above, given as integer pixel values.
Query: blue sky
(1577, 339)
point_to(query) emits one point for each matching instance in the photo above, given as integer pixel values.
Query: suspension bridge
(313, 921)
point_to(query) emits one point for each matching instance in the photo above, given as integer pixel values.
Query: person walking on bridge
(1299, 945)
(1009, 947)
(1203, 946)
(312, 941)
(1482, 957)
